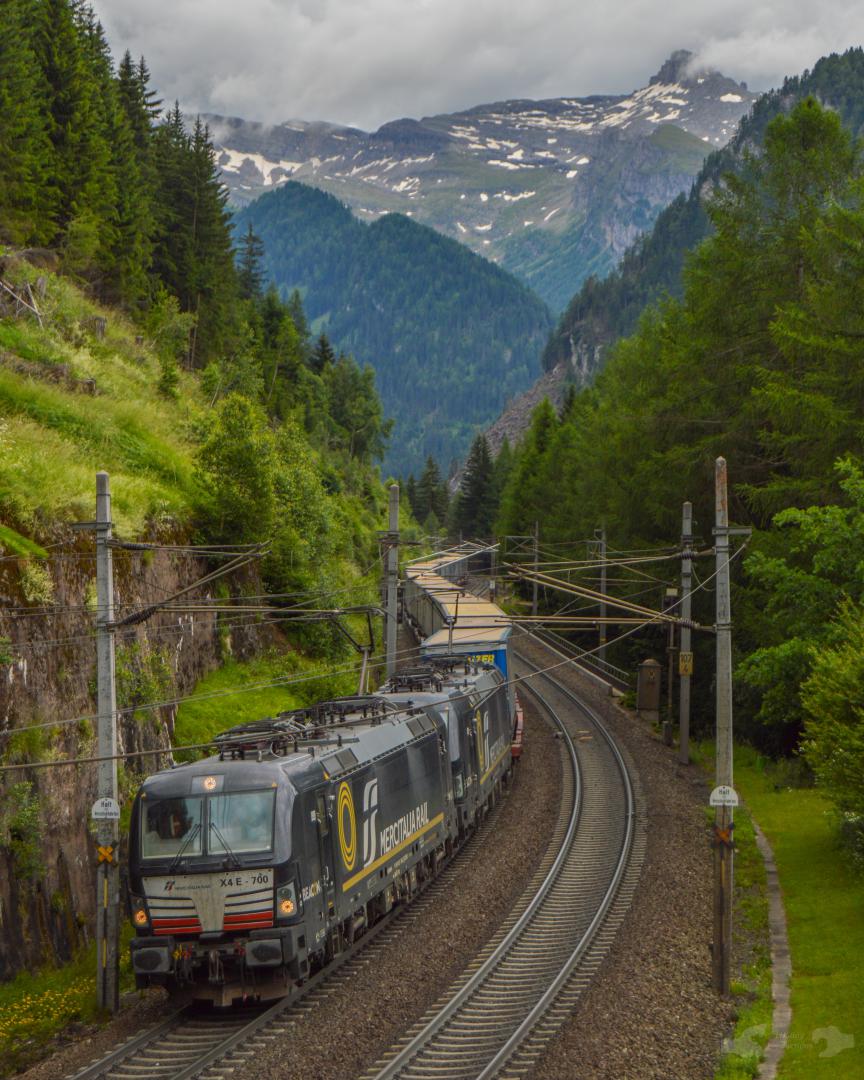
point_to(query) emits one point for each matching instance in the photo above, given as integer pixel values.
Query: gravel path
(651, 1014)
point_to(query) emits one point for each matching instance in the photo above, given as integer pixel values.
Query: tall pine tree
(26, 198)
(475, 513)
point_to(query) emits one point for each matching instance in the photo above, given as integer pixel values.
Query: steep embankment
(78, 394)
(451, 337)
(81, 390)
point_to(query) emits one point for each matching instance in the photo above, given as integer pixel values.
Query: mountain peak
(674, 70)
(524, 183)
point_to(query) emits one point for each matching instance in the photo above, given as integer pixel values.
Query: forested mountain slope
(608, 308)
(760, 360)
(551, 190)
(451, 336)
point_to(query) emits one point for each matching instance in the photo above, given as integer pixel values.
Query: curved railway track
(498, 1018)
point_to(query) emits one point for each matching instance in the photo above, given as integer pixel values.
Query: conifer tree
(322, 355)
(26, 204)
(524, 499)
(193, 253)
(411, 493)
(431, 495)
(282, 354)
(74, 62)
(501, 471)
(138, 101)
(477, 502)
(250, 275)
(298, 315)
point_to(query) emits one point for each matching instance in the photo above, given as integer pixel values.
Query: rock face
(47, 676)
(552, 190)
(513, 422)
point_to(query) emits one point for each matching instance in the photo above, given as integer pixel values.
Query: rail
(496, 1017)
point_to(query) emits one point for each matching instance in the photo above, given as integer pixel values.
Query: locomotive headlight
(286, 901)
(140, 917)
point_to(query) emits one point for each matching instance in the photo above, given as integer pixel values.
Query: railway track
(500, 1015)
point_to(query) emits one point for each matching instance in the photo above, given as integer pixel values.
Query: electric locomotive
(253, 868)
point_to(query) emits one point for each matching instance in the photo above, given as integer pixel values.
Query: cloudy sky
(363, 62)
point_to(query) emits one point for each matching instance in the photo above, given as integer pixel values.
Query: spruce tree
(322, 355)
(411, 493)
(431, 494)
(298, 315)
(75, 66)
(193, 253)
(477, 501)
(250, 276)
(26, 202)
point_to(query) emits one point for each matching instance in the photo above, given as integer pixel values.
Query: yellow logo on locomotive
(347, 825)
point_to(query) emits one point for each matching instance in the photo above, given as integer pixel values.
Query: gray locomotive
(253, 868)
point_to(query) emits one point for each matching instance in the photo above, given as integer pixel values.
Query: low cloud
(363, 62)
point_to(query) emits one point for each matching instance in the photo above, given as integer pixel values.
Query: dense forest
(127, 197)
(137, 336)
(760, 360)
(451, 336)
(609, 308)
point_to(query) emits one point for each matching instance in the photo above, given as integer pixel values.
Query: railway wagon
(450, 621)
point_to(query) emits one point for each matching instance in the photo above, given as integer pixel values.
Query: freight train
(251, 869)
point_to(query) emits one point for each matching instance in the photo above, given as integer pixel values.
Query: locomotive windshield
(216, 825)
(169, 826)
(241, 823)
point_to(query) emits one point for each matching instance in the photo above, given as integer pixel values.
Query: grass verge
(823, 897)
(824, 900)
(301, 682)
(36, 1006)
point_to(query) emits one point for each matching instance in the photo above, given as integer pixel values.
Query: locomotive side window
(169, 826)
(242, 822)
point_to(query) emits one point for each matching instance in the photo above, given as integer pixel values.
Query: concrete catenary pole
(686, 655)
(108, 872)
(601, 651)
(536, 567)
(723, 854)
(391, 619)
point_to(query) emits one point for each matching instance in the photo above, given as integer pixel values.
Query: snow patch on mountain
(447, 170)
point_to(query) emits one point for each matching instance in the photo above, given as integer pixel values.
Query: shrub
(834, 728)
(37, 584)
(21, 825)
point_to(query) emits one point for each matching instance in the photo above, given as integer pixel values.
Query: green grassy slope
(72, 403)
(823, 900)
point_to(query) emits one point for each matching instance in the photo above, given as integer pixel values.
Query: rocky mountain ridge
(551, 190)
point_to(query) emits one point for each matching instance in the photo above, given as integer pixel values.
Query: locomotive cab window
(239, 823)
(170, 826)
(242, 822)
